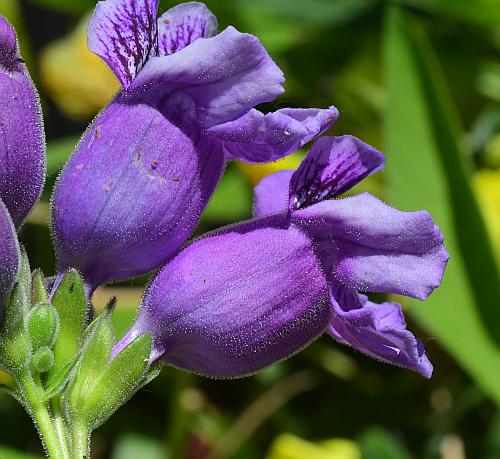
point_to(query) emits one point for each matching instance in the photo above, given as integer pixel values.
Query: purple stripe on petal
(233, 303)
(22, 141)
(182, 25)
(375, 248)
(123, 33)
(132, 193)
(9, 255)
(272, 194)
(225, 76)
(333, 166)
(258, 138)
(378, 330)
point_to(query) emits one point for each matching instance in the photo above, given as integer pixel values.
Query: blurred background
(418, 79)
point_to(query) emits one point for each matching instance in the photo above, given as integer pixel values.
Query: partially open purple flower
(251, 294)
(160, 146)
(22, 144)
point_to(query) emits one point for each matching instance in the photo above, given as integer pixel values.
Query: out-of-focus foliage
(76, 79)
(422, 85)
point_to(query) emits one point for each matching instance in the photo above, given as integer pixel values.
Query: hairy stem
(81, 440)
(41, 415)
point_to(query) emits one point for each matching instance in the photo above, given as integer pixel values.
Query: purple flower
(22, 155)
(251, 294)
(135, 188)
(22, 143)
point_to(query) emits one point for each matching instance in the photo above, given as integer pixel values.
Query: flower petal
(375, 248)
(233, 303)
(132, 193)
(183, 24)
(272, 194)
(22, 141)
(123, 33)
(333, 166)
(258, 138)
(9, 255)
(225, 76)
(378, 330)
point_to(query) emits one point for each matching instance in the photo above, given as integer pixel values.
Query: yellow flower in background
(287, 446)
(78, 81)
(487, 185)
(256, 172)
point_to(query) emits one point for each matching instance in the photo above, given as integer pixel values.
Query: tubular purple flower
(135, 188)
(22, 143)
(251, 294)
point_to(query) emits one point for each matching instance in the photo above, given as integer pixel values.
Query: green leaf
(9, 453)
(232, 200)
(426, 170)
(70, 302)
(38, 291)
(58, 152)
(118, 381)
(476, 11)
(377, 443)
(67, 6)
(93, 363)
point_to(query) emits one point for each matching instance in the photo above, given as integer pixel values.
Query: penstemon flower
(228, 304)
(251, 294)
(186, 106)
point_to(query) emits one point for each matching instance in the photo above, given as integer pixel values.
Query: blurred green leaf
(67, 6)
(377, 443)
(58, 151)
(131, 446)
(9, 453)
(317, 12)
(232, 200)
(480, 11)
(426, 170)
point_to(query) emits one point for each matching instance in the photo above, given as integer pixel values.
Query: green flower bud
(43, 324)
(42, 360)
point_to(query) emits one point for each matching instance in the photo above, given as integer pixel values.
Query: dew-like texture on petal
(272, 194)
(123, 33)
(375, 248)
(258, 138)
(225, 76)
(333, 166)
(182, 25)
(132, 193)
(378, 330)
(234, 303)
(9, 256)
(22, 141)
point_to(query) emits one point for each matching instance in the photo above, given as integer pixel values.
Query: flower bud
(43, 324)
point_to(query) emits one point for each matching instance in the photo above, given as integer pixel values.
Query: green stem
(41, 415)
(60, 425)
(81, 440)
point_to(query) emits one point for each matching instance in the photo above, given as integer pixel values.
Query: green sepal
(43, 324)
(119, 381)
(60, 380)
(93, 363)
(38, 291)
(70, 302)
(42, 360)
(24, 275)
(15, 347)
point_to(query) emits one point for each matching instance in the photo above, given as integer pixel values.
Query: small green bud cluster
(61, 360)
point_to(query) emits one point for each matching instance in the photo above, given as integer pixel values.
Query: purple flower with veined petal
(22, 142)
(186, 106)
(251, 294)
